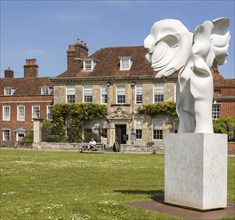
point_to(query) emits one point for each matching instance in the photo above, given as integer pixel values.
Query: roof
(220, 81)
(24, 86)
(108, 63)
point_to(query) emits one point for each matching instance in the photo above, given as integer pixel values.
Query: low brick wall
(142, 148)
(231, 148)
(124, 147)
(55, 146)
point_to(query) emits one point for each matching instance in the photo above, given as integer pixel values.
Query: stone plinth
(196, 170)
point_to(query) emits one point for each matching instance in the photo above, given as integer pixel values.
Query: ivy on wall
(67, 120)
(164, 108)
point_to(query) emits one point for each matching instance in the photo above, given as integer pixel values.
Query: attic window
(125, 63)
(46, 90)
(9, 90)
(88, 64)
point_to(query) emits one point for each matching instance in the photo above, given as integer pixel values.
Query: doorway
(120, 134)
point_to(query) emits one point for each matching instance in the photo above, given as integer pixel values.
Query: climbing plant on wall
(67, 119)
(164, 108)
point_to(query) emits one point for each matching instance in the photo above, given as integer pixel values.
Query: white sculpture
(172, 48)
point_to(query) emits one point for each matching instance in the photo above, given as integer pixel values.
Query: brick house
(224, 96)
(122, 79)
(21, 100)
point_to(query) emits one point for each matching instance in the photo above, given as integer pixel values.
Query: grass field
(42, 185)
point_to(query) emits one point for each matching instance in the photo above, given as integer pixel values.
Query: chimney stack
(9, 73)
(31, 68)
(75, 54)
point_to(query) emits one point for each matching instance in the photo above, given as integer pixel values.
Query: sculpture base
(196, 170)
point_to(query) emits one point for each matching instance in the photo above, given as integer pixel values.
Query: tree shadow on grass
(156, 195)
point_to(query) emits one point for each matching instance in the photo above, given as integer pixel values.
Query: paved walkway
(185, 213)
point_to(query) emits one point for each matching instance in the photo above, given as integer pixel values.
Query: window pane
(70, 98)
(215, 110)
(6, 135)
(49, 111)
(138, 133)
(6, 113)
(121, 94)
(104, 94)
(157, 134)
(159, 92)
(20, 113)
(88, 65)
(35, 112)
(87, 98)
(70, 90)
(139, 92)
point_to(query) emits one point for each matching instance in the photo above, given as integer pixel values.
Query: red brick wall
(28, 102)
(227, 109)
(231, 148)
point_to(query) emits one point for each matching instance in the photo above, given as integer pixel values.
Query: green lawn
(71, 185)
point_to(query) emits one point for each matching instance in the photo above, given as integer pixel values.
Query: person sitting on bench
(91, 144)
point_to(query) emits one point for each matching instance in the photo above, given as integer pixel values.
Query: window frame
(125, 63)
(19, 116)
(159, 92)
(36, 115)
(104, 94)
(8, 91)
(88, 64)
(216, 110)
(121, 94)
(139, 94)
(158, 125)
(6, 117)
(3, 135)
(70, 94)
(138, 129)
(46, 90)
(49, 112)
(87, 94)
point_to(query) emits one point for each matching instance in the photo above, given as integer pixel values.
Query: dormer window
(88, 64)
(125, 63)
(46, 90)
(9, 90)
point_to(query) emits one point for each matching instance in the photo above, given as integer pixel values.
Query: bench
(99, 148)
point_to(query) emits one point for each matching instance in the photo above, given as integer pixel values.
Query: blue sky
(44, 29)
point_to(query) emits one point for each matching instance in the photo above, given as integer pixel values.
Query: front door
(120, 134)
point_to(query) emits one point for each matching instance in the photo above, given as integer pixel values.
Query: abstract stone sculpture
(172, 48)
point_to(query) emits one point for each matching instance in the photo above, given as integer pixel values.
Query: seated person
(91, 144)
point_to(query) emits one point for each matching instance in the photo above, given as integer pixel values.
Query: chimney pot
(9, 73)
(31, 68)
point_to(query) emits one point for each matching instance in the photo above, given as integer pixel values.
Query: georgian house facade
(122, 79)
(22, 100)
(224, 96)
